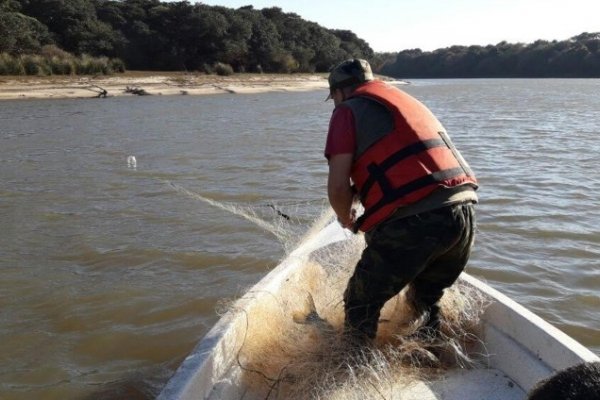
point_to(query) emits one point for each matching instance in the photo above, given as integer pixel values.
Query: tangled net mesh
(291, 347)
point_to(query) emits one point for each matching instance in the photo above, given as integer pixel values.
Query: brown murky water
(112, 272)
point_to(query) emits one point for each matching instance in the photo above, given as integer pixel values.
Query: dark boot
(431, 327)
(429, 331)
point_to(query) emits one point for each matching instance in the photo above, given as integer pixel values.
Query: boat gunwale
(208, 361)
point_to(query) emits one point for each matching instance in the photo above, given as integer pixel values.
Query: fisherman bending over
(390, 151)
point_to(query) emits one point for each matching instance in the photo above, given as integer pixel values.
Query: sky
(395, 25)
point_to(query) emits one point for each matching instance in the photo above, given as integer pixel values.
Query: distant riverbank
(153, 83)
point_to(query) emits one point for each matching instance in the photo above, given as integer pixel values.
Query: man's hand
(348, 222)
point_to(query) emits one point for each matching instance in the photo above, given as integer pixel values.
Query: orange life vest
(408, 163)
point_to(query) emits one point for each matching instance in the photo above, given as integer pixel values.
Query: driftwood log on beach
(143, 83)
(137, 91)
(102, 93)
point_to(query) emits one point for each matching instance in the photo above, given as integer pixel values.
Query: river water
(111, 272)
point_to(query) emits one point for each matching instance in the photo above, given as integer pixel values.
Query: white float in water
(131, 162)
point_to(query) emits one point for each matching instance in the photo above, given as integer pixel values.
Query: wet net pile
(290, 345)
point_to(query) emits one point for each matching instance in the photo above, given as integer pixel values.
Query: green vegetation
(223, 69)
(578, 56)
(102, 36)
(54, 61)
(155, 35)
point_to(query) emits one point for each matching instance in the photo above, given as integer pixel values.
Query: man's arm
(339, 190)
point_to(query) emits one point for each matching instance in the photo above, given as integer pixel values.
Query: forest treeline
(578, 56)
(155, 35)
(103, 36)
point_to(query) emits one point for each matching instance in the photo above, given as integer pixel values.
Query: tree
(74, 25)
(21, 34)
(264, 44)
(578, 56)
(568, 63)
(155, 34)
(143, 47)
(354, 46)
(234, 49)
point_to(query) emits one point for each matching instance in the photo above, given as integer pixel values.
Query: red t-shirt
(341, 138)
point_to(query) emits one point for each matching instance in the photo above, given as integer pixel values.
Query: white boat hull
(521, 347)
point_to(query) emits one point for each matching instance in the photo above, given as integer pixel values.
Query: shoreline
(133, 83)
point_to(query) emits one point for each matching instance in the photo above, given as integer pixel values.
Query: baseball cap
(348, 73)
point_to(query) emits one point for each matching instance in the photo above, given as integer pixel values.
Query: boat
(280, 340)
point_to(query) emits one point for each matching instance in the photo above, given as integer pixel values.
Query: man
(388, 150)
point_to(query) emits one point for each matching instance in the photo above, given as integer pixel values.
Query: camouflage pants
(427, 251)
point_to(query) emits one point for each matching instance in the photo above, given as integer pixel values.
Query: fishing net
(291, 345)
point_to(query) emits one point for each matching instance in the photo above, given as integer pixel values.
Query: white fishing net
(288, 343)
(292, 349)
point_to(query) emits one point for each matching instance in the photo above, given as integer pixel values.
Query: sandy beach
(153, 83)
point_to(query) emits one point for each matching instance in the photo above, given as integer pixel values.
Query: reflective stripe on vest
(406, 164)
(376, 171)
